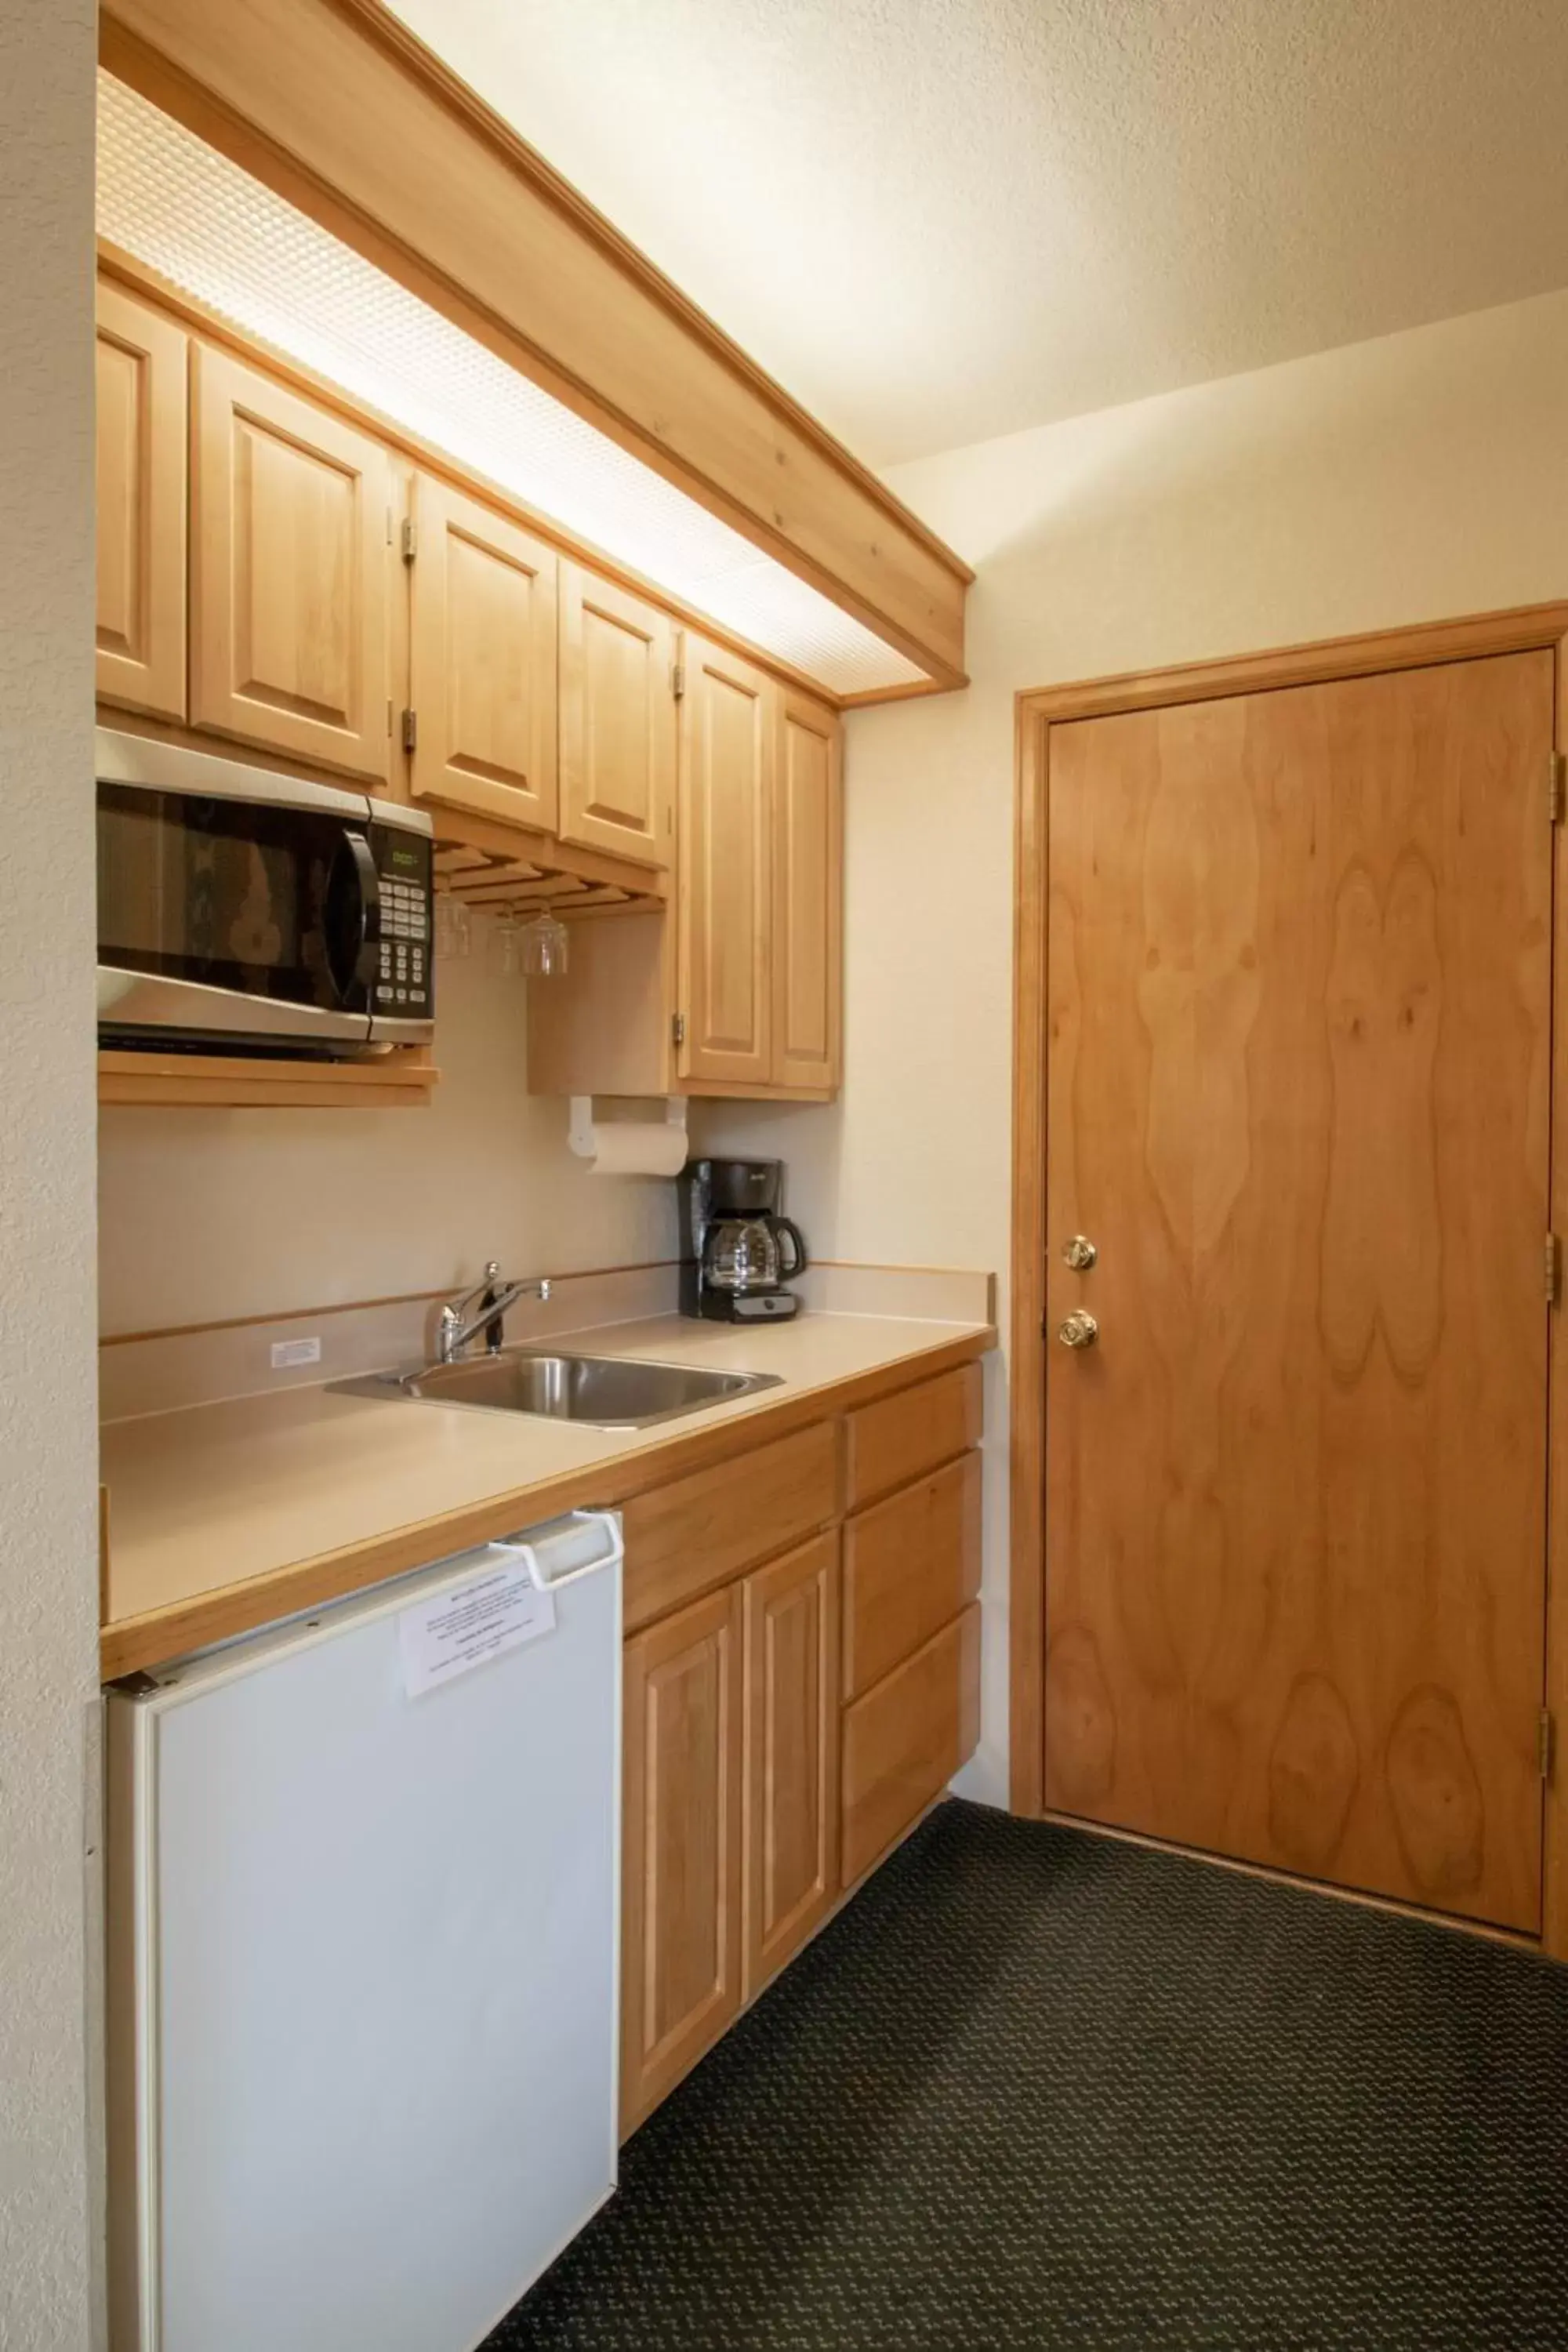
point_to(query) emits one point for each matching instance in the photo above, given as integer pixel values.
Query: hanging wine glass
(454, 928)
(506, 936)
(543, 946)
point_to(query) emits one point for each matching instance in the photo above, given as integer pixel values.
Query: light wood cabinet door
(482, 661)
(728, 752)
(617, 739)
(681, 1896)
(141, 486)
(290, 546)
(792, 1754)
(808, 864)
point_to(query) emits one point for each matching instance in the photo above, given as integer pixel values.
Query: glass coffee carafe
(749, 1254)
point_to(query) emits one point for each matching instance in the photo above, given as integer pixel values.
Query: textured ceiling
(937, 220)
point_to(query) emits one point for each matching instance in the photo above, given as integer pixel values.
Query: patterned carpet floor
(1038, 2089)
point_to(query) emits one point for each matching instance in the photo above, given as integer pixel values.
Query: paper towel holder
(583, 1135)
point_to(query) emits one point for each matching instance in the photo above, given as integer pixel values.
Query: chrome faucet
(493, 1295)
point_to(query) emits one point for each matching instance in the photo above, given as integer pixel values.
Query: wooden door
(808, 864)
(140, 488)
(729, 747)
(290, 548)
(617, 719)
(792, 1611)
(482, 656)
(681, 1927)
(1299, 1022)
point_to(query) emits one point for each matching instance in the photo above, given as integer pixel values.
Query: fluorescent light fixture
(174, 203)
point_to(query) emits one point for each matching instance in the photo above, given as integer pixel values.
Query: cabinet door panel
(792, 1753)
(482, 644)
(807, 950)
(141, 491)
(617, 719)
(289, 550)
(726, 799)
(681, 1854)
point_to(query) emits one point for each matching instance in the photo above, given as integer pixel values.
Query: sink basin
(605, 1392)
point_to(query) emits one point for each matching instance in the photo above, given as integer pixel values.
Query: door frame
(1528, 628)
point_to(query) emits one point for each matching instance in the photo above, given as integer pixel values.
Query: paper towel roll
(637, 1148)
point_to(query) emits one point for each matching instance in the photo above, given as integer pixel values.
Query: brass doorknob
(1080, 1330)
(1079, 1253)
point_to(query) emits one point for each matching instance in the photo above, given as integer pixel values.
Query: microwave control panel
(405, 982)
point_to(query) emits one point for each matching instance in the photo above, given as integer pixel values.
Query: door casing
(1527, 628)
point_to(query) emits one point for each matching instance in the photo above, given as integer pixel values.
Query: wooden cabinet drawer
(904, 1740)
(910, 1564)
(684, 1539)
(900, 1437)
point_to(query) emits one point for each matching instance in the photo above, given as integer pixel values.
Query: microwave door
(230, 918)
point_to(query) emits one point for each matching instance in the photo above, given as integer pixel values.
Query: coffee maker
(737, 1251)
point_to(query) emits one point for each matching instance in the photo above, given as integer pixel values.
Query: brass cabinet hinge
(410, 538)
(1557, 771)
(678, 1028)
(1553, 1269)
(677, 679)
(410, 731)
(1547, 1744)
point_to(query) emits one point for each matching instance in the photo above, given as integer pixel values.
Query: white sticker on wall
(286, 1353)
(468, 1624)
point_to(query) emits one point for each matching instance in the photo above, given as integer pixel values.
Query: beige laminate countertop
(226, 1517)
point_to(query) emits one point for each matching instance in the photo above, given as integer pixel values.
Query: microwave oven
(245, 910)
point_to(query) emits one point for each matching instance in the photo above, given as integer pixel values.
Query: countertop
(226, 1516)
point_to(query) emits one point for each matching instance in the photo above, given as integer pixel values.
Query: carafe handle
(791, 1232)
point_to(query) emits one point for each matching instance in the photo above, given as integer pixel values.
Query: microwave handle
(368, 961)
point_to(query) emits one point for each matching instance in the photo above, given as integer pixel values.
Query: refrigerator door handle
(536, 1557)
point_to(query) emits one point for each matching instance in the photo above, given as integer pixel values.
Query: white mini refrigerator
(364, 1878)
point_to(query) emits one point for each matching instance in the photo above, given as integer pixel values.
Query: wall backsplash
(208, 1214)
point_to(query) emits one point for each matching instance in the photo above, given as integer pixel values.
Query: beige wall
(1422, 475)
(205, 1214)
(48, 1552)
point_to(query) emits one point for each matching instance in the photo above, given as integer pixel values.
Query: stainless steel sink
(603, 1391)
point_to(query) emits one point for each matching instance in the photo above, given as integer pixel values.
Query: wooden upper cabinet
(141, 470)
(617, 719)
(808, 866)
(291, 530)
(681, 1845)
(729, 751)
(482, 661)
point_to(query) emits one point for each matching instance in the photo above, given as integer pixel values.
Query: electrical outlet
(287, 1353)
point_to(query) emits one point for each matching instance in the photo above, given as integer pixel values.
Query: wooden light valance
(336, 106)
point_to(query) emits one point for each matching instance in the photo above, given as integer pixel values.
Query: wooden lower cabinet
(912, 1564)
(681, 1850)
(907, 1738)
(799, 1689)
(791, 1808)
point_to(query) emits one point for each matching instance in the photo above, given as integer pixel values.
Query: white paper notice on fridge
(468, 1624)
